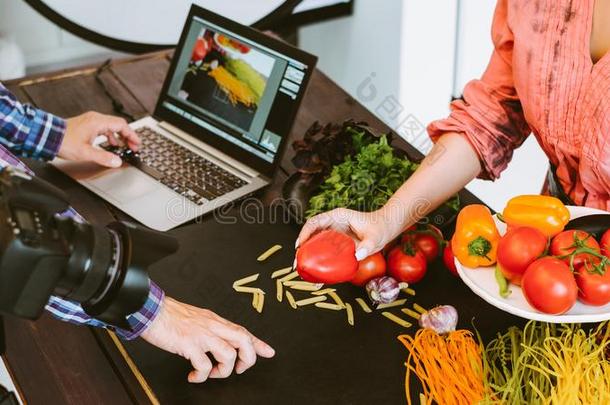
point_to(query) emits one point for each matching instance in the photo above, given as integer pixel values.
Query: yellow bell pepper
(476, 238)
(545, 213)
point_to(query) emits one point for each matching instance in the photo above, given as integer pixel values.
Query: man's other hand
(82, 130)
(193, 333)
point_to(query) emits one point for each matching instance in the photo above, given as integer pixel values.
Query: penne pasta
(246, 280)
(265, 255)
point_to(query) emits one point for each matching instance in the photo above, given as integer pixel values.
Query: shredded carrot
(450, 368)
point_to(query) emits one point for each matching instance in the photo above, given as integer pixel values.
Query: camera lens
(94, 253)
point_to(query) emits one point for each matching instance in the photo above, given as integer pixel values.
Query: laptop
(218, 130)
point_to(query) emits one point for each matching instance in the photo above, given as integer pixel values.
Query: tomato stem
(580, 247)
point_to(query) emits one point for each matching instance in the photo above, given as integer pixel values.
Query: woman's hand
(193, 332)
(369, 229)
(82, 130)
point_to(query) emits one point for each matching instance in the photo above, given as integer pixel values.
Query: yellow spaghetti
(236, 90)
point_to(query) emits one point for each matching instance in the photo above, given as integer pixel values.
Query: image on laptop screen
(235, 88)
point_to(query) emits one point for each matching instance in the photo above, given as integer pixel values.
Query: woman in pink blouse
(549, 76)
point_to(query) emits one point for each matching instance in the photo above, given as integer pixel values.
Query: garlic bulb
(442, 319)
(383, 290)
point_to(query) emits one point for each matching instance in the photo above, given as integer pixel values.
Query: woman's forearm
(450, 165)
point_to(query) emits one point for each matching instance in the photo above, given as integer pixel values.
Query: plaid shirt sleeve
(72, 312)
(27, 131)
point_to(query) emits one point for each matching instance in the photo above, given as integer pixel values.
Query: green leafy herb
(365, 181)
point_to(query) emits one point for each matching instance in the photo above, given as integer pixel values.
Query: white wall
(41, 41)
(364, 46)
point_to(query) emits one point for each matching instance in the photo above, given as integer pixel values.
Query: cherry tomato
(605, 243)
(449, 260)
(328, 257)
(563, 245)
(425, 237)
(593, 284)
(549, 286)
(369, 268)
(405, 263)
(519, 248)
(200, 50)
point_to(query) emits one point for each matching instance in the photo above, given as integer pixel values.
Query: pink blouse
(541, 80)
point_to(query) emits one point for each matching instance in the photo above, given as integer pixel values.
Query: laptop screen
(234, 87)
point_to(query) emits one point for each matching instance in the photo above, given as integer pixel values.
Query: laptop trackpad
(125, 184)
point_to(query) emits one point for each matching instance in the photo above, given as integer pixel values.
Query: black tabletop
(320, 359)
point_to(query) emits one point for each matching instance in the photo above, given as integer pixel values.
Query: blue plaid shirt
(29, 132)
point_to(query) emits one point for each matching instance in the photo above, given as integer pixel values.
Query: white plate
(482, 282)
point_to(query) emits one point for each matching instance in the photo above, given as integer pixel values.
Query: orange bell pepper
(545, 213)
(476, 238)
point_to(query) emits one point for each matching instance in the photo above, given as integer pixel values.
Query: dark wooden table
(54, 362)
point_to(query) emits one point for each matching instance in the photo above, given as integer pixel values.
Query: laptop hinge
(209, 150)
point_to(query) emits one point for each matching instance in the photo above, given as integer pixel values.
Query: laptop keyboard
(178, 168)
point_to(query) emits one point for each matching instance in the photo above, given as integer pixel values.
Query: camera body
(44, 253)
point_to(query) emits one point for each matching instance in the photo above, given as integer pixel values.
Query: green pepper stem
(479, 247)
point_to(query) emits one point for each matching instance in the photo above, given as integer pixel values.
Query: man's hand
(193, 332)
(82, 130)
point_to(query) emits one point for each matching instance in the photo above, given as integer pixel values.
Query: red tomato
(563, 245)
(200, 50)
(605, 243)
(406, 264)
(593, 284)
(369, 268)
(425, 237)
(328, 257)
(549, 286)
(449, 260)
(517, 249)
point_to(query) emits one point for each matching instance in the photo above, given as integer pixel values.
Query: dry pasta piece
(281, 272)
(291, 300)
(290, 276)
(309, 301)
(301, 283)
(396, 319)
(336, 298)
(419, 309)
(393, 304)
(305, 287)
(350, 314)
(409, 291)
(255, 298)
(365, 307)
(250, 290)
(246, 280)
(280, 290)
(260, 303)
(324, 291)
(265, 255)
(327, 305)
(411, 313)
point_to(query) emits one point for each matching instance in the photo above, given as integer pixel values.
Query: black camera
(44, 253)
